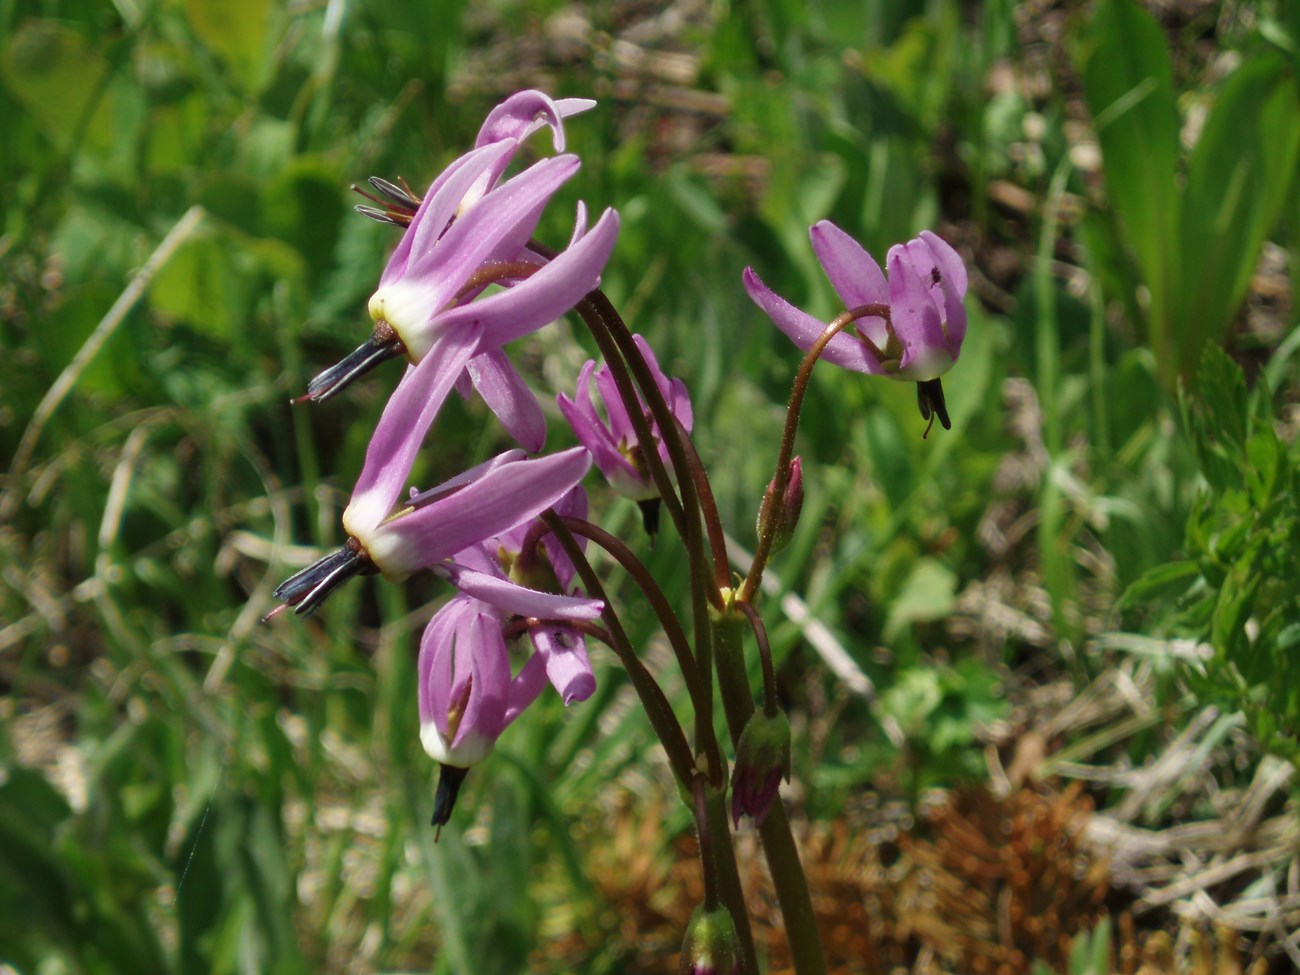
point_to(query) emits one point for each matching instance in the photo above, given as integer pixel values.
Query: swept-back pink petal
(401, 429)
(439, 206)
(526, 687)
(518, 600)
(501, 499)
(953, 280)
(428, 495)
(527, 111)
(596, 437)
(853, 273)
(544, 296)
(505, 218)
(804, 330)
(916, 320)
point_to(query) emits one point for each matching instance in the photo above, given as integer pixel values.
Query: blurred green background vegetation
(184, 789)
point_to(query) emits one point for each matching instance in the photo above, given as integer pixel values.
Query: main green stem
(729, 630)
(727, 876)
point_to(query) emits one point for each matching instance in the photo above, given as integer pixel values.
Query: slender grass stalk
(181, 231)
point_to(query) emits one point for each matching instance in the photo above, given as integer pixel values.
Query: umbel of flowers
(510, 535)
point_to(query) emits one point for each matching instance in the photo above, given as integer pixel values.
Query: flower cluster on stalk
(436, 308)
(508, 535)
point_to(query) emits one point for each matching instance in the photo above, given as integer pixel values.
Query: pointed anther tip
(275, 612)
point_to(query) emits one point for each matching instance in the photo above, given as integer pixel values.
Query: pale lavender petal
(508, 396)
(435, 669)
(572, 505)
(947, 260)
(526, 687)
(953, 280)
(620, 422)
(439, 206)
(853, 272)
(509, 597)
(804, 330)
(526, 111)
(647, 353)
(401, 429)
(579, 224)
(546, 295)
(489, 661)
(481, 557)
(503, 498)
(497, 226)
(420, 498)
(916, 317)
(567, 664)
(679, 402)
(595, 437)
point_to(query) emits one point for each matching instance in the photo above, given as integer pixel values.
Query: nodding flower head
(467, 692)
(432, 526)
(469, 232)
(613, 441)
(907, 326)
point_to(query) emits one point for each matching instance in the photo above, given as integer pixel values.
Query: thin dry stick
(54, 396)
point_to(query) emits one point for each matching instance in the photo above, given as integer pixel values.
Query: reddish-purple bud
(762, 761)
(787, 514)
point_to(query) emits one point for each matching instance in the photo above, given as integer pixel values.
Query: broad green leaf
(1128, 85)
(1239, 177)
(60, 77)
(238, 32)
(197, 287)
(928, 594)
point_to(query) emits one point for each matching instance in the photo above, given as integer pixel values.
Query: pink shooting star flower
(434, 525)
(452, 251)
(921, 338)
(613, 441)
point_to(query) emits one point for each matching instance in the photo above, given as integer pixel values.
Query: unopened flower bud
(762, 761)
(787, 516)
(711, 946)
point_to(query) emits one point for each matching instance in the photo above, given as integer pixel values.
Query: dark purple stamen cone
(382, 345)
(307, 589)
(929, 397)
(399, 205)
(650, 508)
(449, 781)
